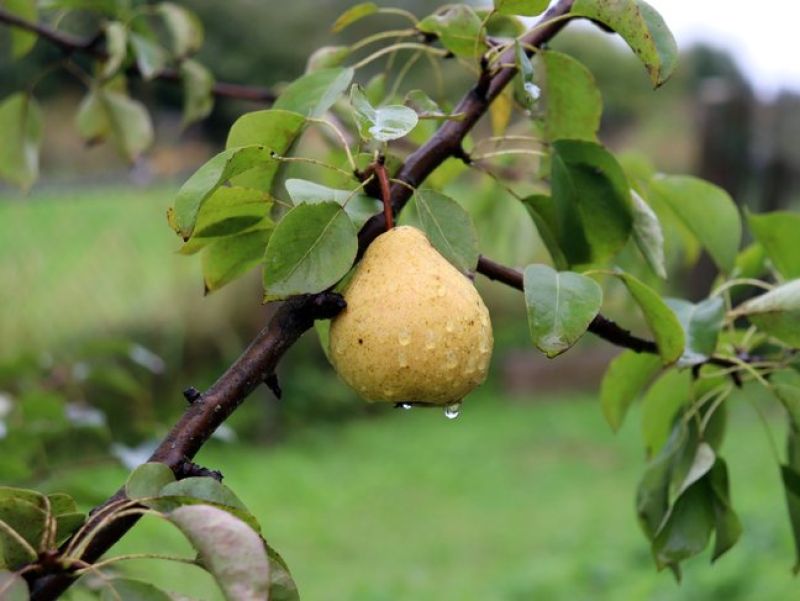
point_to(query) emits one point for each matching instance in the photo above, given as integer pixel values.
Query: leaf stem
(311, 161)
(379, 53)
(17, 537)
(509, 151)
(339, 135)
(386, 195)
(741, 282)
(377, 37)
(130, 556)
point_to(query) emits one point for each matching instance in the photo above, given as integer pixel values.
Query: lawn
(515, 500)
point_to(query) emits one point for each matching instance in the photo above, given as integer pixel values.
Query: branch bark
(74, 45)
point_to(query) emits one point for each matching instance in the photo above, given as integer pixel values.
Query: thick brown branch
(71, 44)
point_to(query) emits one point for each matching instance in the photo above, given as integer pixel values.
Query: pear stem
(386, 196)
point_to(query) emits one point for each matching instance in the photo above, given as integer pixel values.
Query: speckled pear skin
(415, 329)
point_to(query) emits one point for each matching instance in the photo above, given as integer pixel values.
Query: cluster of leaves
(146, 39)
(216, 523)
(598, 215)
(51, 409)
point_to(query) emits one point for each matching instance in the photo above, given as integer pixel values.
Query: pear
(415, 330)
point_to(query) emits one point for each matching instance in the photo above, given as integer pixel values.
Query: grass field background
(517, 499)
(520, 498)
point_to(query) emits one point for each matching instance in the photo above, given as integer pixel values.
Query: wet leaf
(151, 58)
(661, 320)
(648, 235)
(198, 97)
(225, 259)
(448, 226)
(312, 247)
(229, 549)
(525, 8)
(573, 102)
(641, 27)
(353, 14)
(314, 93)
(701, 324)
(185, 29)
(776, 312)
(591, 200)
(206, 180)
(707, 211)
(661, 404)
(22, 41)
(127, 589)
(561, 305)
(147, 480)
(458, 28)
(384, 123)
(21, 124)
(624, 380)
(13, 587)
(777, 234)
(728, 528)
(359, 207)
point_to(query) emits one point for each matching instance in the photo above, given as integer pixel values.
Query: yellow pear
(415, 330)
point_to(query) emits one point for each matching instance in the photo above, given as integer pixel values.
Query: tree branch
(296, 315)
(74, 45)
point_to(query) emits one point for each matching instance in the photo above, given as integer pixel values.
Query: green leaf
(21, 124)
(777, 312)
(701, 324)
(206, 180)
(198, 86)
(660, 318)
(229, 210)
(525, 8)
(359, 207)
(127, 589)
(591, 200)
(383, 123)
(225, 259)
(786, 386)
(648, 235)
(561, 305)
(67, 524)
(28, 521)
(526, 92)
(353, 14)
(541, 209)
(661, 404)
(777, 234)
(185, 29)
(314, 93)
(702, 462)
(574, 104)
(107, 113)
(423, 105)
(116, 45)
(791, 485)
(22, 41)
(688, 527)
(707, 211)
(327, 57)
(203, 488)
(376, 89)
(312, 247)
(147, 480)
(458, 28)
(448, 227)
(151, 58)
(281, 584)
(726, 523)
(230, 550)
(274, 129)
(625, 378)
(13, 587)
(641, 27)
(61, 503)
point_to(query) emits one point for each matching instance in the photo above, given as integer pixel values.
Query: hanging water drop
(404, 406)
(404, 337)
(453, 410)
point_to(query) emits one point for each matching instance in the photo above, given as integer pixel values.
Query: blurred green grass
(515, 500)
